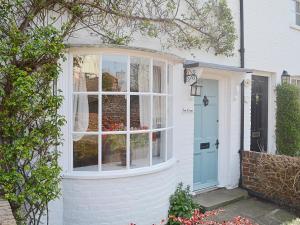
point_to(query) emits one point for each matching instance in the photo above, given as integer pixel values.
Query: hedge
(288, 120)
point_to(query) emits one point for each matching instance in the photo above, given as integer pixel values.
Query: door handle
(217, 144)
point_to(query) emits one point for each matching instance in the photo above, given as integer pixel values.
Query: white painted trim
(120, 173)
(295, 27)
(224, 125)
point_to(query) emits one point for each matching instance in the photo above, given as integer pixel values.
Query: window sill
(295, 27)
(120, 174)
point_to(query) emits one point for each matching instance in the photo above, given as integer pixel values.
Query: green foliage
(288, 120)
(293, 222)
(181, 204)
(29, 123)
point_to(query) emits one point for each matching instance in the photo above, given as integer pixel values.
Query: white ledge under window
(120, 174)
(295, 27)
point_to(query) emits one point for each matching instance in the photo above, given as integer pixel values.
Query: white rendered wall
(141, 199)
(272, 45)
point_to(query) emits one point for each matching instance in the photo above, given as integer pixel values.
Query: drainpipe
(242, 132)
(242, 58)
(242, 34)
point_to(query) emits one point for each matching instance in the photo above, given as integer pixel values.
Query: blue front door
(206, 141)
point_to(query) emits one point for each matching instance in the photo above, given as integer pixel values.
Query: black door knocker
(205, 101)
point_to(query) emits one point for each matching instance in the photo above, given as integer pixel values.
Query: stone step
(218, 198)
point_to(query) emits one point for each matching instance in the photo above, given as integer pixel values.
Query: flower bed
(207, 218)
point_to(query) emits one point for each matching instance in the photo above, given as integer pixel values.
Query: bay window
(122, 112)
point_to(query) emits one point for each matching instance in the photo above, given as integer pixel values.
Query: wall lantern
(285, 77)
(196, 89)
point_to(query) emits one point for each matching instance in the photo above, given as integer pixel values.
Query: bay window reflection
(114, 73)
(139, 150)
(158, 147)
(85, 73)
(159, 77)
(114, 112)
(85, 156)
(139, 74)
(122, 112)
(159, 112)
(140, 112)
(113, 151)
(85, 112)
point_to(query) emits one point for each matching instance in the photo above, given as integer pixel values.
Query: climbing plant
(33, 34)
(288, 120)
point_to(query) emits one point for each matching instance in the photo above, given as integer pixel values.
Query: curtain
(80, 104)
(156, 102)
(143, 84)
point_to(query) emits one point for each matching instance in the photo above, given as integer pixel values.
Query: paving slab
(220, 197)
(260, 212)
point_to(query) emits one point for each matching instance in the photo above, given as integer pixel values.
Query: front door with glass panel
(206, 141)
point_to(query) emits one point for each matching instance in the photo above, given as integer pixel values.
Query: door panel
(206, 136)
(259, 114)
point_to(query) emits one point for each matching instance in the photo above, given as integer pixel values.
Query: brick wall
(274, 177)
(6, 216)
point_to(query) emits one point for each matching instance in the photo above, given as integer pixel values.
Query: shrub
(294, 222)
(288, 120)
(181, 204)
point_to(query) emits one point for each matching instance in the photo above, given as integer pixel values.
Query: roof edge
(193, 64)
(126, 47)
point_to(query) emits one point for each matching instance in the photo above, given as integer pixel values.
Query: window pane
(158, 147)
(114, 73)
(170, 111)
(85, 112)
(113, 151)
(85, 73)
(159, 112)
(139, 74)
(85, 149)
(159, 77)
(113, 112)
(139, 112)
(170, 144)
(297, 6)
(298, 19)
(139, 150)
(170, 79)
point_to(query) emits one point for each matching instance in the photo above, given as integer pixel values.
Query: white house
(135, 131)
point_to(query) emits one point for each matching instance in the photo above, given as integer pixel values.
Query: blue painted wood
(206, 133)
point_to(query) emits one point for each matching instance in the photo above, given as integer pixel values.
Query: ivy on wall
(288, 120)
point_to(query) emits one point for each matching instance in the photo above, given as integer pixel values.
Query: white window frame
(296, 13)
(169, 124)
(293, 13)
(295, 80)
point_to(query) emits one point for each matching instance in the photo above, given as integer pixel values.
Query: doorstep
(218, 198)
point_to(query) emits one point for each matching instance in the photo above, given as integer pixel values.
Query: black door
(259, 114)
